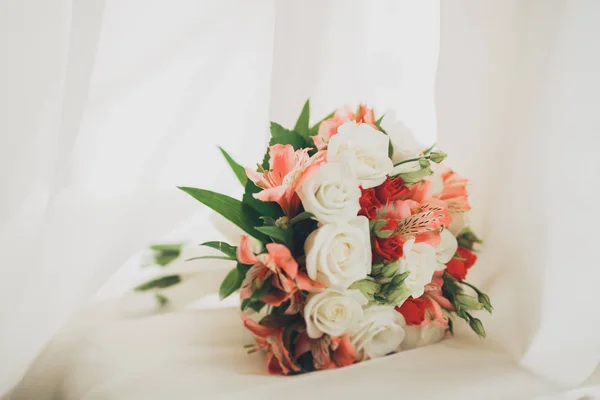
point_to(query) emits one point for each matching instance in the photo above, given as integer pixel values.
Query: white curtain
(110, 104)
(517, 101)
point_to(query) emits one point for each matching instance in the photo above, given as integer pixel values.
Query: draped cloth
(108, 105)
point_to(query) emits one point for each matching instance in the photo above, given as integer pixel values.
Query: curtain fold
(517, 109)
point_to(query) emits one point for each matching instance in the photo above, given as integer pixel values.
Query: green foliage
(467, 239)
(301, 126)
(237, 169)
(252, 304)
(231, 283)
(281, 135)
(168, 248)
(463, 303)
(225, 248)
(244, 217)
(159, 283)
(263, 208)
(161, 299)
(301, 217)
(164, 254)
(211, 258)
(415, 176)
(274, 232)
(299, 233)
(368, 287)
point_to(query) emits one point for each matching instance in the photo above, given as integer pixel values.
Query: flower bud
(477, 326)
(467, 302)
(484, 299)
(368, 287)
(438, 156)
(390, 269)
(397, 296)
(282, 222)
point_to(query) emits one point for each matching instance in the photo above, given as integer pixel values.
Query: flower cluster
(356, 243)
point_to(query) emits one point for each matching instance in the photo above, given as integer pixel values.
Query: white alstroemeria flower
(437, 182)
(459, 221)
(333, 312)
(331, 194)
(420, 335)
(364, 150)
(403, 141)
(377, 334)
(339, 254)
(421, 260)
(446, 249)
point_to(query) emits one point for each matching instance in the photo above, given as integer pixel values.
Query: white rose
(421, 260)
(420, 335)
(331, 194)
(446, 249)
(333, 312)
(377, 334)
(364, 150)
(339, 254)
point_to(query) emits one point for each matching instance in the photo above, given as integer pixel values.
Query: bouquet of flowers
(356, 243)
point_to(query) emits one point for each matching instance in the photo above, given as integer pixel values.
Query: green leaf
(301, 217)
(211, 258)
(170, 247)
(429, 149)
(164, 259)
(466, 238)
(223, 247)
(378, 122)
(451, 326)
(259, 293)
(273, 231)
(303, 120)
(233, 210)
(162, 300)
(263, 208)
(230, 284)
(238, 170)
(159, 283)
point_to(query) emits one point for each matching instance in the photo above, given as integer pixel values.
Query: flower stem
(413, 159)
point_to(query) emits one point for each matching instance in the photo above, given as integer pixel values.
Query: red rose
(457, 269)
(392, 189)
(467, 255)
(369, 204)
(413, 311)
(390, 249)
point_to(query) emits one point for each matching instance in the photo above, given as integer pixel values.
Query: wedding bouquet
(359, 245)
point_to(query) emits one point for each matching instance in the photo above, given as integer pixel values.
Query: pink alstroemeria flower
(436, 302)
(454, 192)
(410, 218)
(329, 127)
(328, 352)
(287, 170)
(279, 266)
(271, 340)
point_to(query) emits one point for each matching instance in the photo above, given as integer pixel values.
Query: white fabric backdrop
(109, 105)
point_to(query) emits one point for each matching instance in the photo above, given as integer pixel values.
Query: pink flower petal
(282, 161)
(244, 251)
